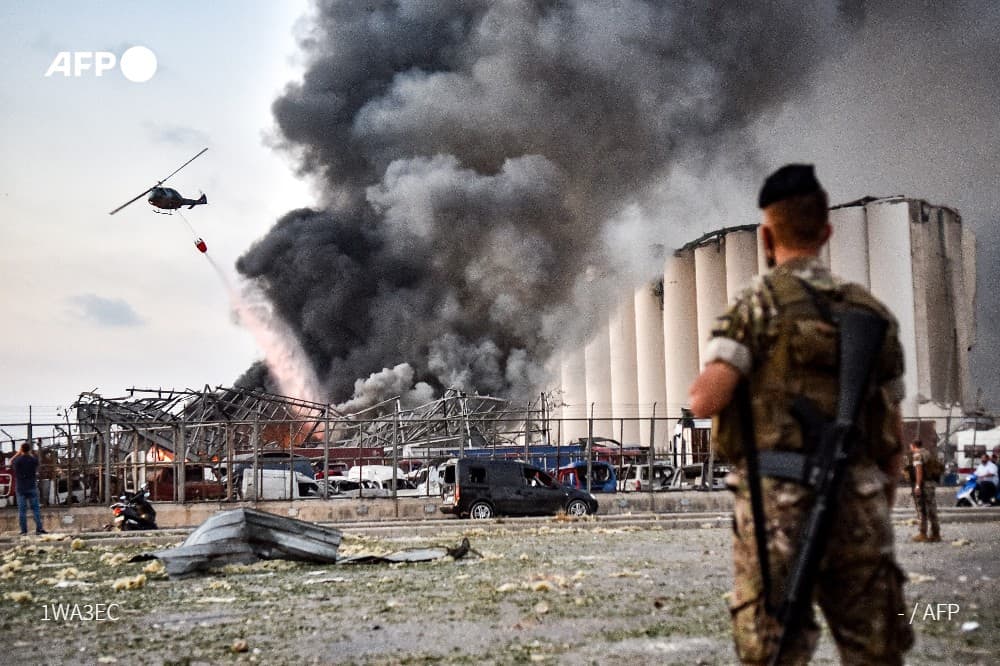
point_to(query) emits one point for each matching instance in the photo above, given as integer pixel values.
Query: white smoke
(385, 384)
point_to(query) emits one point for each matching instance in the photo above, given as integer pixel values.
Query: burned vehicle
(603, 477)
(482, 488)
(636, 477)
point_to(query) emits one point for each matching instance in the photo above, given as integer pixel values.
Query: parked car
(603, 478)
(341, 486)
(637, 478)
(693, 477)
(482, 488)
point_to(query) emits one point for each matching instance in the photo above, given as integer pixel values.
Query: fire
(157, 454)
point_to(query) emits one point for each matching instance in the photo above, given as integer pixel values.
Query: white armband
(729, 351)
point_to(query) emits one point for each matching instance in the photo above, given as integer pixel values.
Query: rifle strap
(785, 465)
(756, 494)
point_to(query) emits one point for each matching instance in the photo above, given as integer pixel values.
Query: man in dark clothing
(25, 465)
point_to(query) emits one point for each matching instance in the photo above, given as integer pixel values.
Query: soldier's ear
(767, 239)
(825, 234)
(766, 236)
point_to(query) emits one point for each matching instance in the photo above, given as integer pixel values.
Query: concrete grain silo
(597, 354)
(710, 288)
(680, 328)
(741, 260)
(574, 394)
(650, 364)
(921, 264)
(914, 256)
(624, 370)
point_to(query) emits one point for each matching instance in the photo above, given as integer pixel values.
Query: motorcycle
(134, 512)
(969, 494)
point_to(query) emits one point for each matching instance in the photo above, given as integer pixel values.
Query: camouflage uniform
(926, 501)
(859, 587)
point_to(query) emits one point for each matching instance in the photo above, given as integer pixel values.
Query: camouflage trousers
(926, 504)
(859, 587)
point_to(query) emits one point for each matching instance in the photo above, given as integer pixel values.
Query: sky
(93, 301)
(904, 104)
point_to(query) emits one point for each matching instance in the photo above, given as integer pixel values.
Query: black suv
(482, 488)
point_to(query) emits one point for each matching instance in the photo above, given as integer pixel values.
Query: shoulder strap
(790, 290)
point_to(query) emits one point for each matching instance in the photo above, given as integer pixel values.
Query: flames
(157, 454)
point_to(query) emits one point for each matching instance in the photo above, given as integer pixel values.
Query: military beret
(788, 181)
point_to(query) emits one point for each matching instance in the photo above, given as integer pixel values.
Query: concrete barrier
(90, 518)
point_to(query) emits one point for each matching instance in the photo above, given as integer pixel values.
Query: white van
(276, 484)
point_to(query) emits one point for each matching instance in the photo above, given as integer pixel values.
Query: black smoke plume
(472, 157)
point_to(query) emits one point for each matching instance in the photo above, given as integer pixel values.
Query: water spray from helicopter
(284, 356)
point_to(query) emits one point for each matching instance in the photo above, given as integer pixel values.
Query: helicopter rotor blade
(131, 201)
(202, 152)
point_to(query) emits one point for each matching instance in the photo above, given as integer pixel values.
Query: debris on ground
(412, 555)
(130, 583)
(244, 536)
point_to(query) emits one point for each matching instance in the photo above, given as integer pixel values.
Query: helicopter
(167, 198)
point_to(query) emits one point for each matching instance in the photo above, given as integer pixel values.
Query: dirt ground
(545, 592)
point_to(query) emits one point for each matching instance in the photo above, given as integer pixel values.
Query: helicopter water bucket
(200, 244)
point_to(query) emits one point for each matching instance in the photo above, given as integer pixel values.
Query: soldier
(779, 341)
(924, 477)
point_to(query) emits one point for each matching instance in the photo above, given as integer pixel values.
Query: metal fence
(211, 460)
(232, 445)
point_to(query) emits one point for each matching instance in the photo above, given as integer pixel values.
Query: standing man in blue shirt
(25, 465)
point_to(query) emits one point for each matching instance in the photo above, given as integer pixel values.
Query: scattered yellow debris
(10, 568)
(114, 559)
(53, 537)
(77, 544)
(132, 583)
(153, 568)
(19, 597)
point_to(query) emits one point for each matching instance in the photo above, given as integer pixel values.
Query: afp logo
(138, 64)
